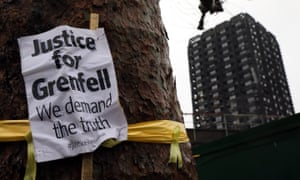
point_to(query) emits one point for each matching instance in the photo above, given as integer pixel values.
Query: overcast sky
(281, 18)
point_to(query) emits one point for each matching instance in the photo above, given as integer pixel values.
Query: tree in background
(137, 39)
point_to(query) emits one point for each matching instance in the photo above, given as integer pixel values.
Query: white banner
(71, 92)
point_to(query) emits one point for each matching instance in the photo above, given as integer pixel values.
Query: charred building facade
(237, 76)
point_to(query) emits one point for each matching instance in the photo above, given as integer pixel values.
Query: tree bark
(137, 40)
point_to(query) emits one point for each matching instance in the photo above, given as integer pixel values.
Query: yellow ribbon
(30, 172)
(175, 154)
(110, 143)
(157, 131)
(13, 130)
(19, 130)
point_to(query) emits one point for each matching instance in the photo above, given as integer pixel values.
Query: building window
(217, 110)
(215, 95)
(229, 81)
(244, 59)
(211, 66)
(233, 105)
(242, 46)
(227, 58)
(238, 24)
(243, 52)
(226, 51)
(247, 75)
(239, 38)
(196, 51)
(225, 44)
(239, 31)
(250, 91)
(216, 102)
(251, 99)
(214, 87)
(223, 31)
(197, 39)
(223, 38)
(200, 93)
(231, 89)
(208, 38)
(228, 74)
(212, 72)
(248, 83)
(252, 109)
(209, 51)
(219, 125)
(211, 58)
(219, 118)
(208, 45)
(245, 67)
(227, 66)
(195, 96)
(232, 97)
(213, 79)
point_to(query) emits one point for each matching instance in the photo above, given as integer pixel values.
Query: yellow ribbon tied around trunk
(19, 130)
(30, 172)
(13, 130)
(175, 154)
(157, 131)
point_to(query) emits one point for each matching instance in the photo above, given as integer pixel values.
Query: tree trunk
(137, 39)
